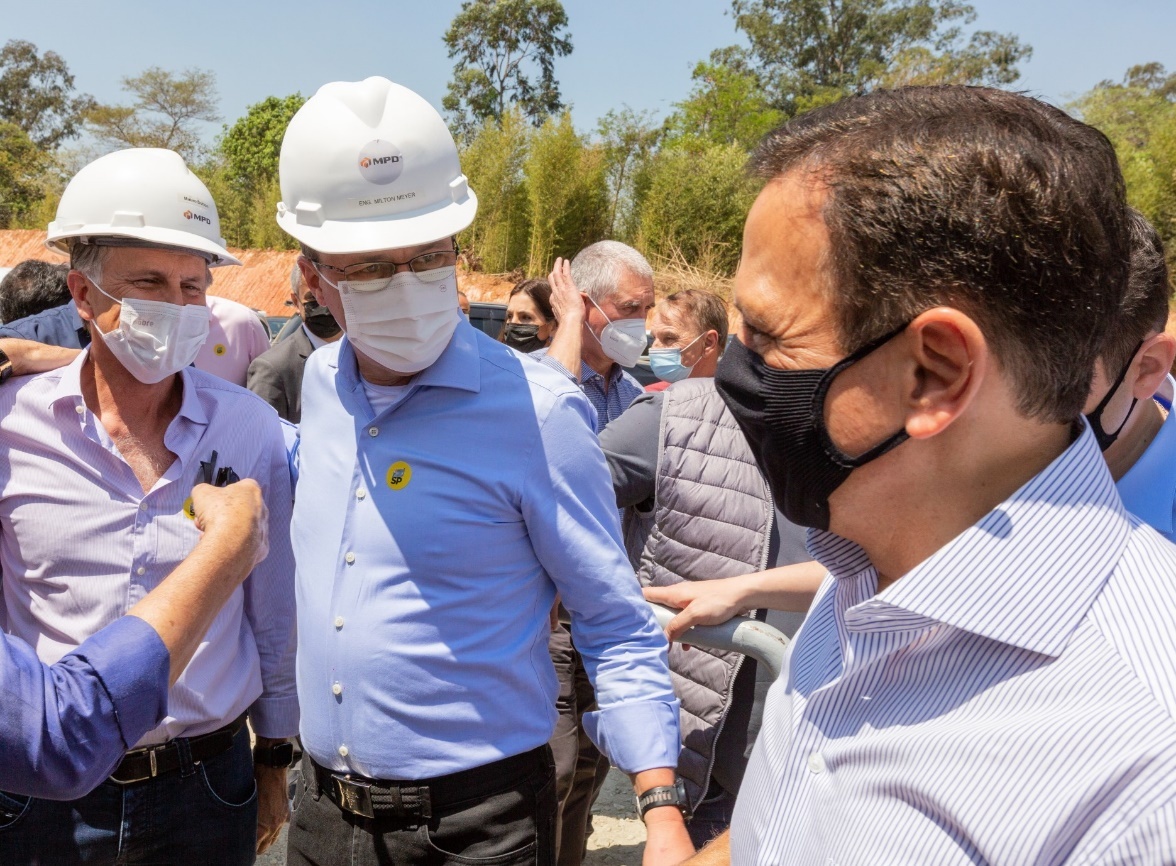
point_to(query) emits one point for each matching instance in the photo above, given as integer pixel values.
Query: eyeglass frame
(456, 251)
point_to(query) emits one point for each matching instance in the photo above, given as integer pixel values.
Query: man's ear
(950, 360)
(79, 291)
(1153, 364)
(311, 276)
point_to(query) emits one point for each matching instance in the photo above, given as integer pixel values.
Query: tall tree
(726, 106)
(167, 111)
(810, 52)
(500, 45)
(37, 94)
(23, 167)
(251, 146)
(627, 138)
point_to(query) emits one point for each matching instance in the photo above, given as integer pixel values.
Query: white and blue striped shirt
(1008, 701)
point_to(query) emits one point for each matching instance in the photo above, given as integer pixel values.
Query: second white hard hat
(140, 194)
(370, 165)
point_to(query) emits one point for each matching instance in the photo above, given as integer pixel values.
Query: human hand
(666, 839)
(234, 513)
(273, 808)
(29, 357)
(566, 301)
(701, 602)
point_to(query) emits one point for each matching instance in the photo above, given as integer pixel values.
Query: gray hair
(87, 258)
(597, 269)
(296, 283)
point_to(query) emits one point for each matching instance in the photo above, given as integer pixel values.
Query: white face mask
(402, 323)
(155, 339)
(623, 340)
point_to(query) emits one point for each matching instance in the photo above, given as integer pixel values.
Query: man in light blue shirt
(448, 488)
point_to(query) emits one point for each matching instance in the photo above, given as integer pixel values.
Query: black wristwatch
(663, 795)
(274, 755)
(5, 366)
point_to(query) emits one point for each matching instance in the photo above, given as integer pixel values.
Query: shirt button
(373, 431)
(816, 763)
(337, 689)
(338, 622)
(360, 494)
(349, 558)
(81, 410)
(343, 751)
(140, 571)
(142, 506)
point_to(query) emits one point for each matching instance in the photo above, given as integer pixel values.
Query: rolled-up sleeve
(64, 727)
(571, 516)
(269, 602)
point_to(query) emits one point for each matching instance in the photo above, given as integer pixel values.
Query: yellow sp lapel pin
(399, 474)
(219, 349)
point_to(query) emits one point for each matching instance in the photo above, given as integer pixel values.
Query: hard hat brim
(390, 232)
(218, 256)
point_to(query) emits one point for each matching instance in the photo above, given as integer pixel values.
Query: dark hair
(31, 287)
(705, 309)
(1149, 290)
(996, 204)
(539, 291)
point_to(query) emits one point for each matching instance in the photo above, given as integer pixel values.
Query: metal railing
(764, 643)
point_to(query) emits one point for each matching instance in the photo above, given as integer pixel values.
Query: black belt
(139, 765)
(374, 798)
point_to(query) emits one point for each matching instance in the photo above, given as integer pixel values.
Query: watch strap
(662, 795)
(274, 755)
(5, 366)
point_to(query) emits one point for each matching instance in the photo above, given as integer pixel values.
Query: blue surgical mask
(667, 364)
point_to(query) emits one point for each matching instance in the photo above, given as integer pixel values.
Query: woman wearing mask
(529, 319)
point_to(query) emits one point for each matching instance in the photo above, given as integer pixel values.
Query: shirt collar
(1027, 573)
(587, 374)
(459, 366)
(69, 388)
(1148, 485)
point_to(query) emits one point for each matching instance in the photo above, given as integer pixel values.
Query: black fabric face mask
(782, 416)
(319, 321)
(1105, 439)
(522, 338)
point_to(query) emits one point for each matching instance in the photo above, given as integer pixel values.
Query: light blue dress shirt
(431, 540)
(1011, 700)
(57, 326)
(1148, 490)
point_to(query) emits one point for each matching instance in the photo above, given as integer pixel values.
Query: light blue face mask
(667, 364)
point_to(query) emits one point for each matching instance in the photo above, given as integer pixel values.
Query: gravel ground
(618, 838)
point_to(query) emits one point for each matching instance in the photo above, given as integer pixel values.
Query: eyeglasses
(425, 265)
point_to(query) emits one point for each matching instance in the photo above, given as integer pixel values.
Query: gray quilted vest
(712, 518)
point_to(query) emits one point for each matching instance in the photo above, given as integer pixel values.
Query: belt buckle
(153, 770)
(355, 797)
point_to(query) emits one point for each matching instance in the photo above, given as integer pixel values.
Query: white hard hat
(369, 165)
(140, 194)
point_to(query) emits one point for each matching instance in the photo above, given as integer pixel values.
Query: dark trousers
(580, 768)
(484, 815)
(201, 814)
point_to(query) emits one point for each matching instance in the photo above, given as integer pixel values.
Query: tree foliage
(505, 52)
(23, 166)
(628, 139)
(1138, 115)
(810, 52)
(726, 106)
(37, 94)
(166, 112)
(252, 145)
(493, 160)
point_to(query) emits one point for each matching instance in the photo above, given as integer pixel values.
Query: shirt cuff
(637, 736)
(133, 664)
(274, 717)
(551, 362)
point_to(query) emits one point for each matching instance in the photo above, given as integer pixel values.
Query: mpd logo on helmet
(380, 162)
(199, 217)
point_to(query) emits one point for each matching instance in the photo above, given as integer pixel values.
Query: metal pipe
(765, 644)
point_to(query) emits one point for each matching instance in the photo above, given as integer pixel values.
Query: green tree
(23, 166)
(37, 94)
(696, 203)
(493, 160)
(166, 112)
(500, 45)
(1138, 115)
(726, 106)
(559, 169)
(252, 145)
(628, 139)
(811, 52)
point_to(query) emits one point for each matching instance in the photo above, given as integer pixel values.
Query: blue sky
(638, 52)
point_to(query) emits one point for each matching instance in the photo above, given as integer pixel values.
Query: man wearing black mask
(985, 675)
(276, 375)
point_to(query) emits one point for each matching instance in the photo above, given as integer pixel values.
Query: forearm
(789, 587)
(184, 605)
(565, 347)
(716, 853)
(29, 356)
